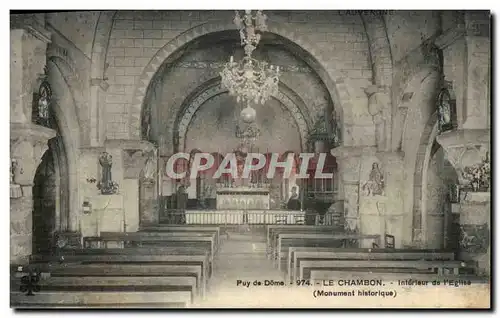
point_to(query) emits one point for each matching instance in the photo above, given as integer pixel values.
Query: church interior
(392, 106)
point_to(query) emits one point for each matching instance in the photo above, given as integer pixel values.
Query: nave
(200, 266)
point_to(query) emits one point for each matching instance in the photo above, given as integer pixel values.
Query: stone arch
(98, 76)
(64, 107)
(412, 117)
(195, 102)
(332, 79)
(379, 48)
(413, 88)
(420, 176)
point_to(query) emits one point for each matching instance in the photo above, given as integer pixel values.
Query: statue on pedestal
(293, 201)
(375, 183)
(106, 185)
(15, 189)
(150, 169)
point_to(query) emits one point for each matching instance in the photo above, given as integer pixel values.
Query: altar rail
(239, 217)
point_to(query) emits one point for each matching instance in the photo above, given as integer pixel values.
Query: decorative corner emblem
(30, 283)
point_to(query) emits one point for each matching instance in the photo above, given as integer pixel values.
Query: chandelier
(250, 80)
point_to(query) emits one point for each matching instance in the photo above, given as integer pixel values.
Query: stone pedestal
(130, 157)
(475, 229)
(28, 142)
(148, 204)
(107, 215)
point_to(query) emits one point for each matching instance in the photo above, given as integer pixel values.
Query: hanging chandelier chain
(249, 26)
(250, 80)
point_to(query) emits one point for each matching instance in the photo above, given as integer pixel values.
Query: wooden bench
(415, 266)
(320, 275)
(100, 290)
(273, 230)
(174, 286)
(136, 239)
(104, 257)
(183, 228)
(176, 234)
(297, 254)
(107, 299)
(137, 236)
(285, 240)
(126, 269)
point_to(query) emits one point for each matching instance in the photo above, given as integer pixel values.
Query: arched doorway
(50, 195)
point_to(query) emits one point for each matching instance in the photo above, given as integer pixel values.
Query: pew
(272, 230)
(106, 299)
(111, 258)
(138, 236)
(100, 288)
(283, 241)
(122, 270)
(183, 228)
(412, 266)
(298, 254)
(175, 286)
(154, 250)
(316, 276)
(145, 240)
(177, 234)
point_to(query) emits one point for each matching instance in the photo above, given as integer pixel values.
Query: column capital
(28, 143)
(465, 149)
(135, 153)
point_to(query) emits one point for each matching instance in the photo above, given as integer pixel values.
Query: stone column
(28, 49)
(392, 208)
(141, 192)
(134, 155)
(366, 210)
(28, 143)
(466, 149)
(348, 164)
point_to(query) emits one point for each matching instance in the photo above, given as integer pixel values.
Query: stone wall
(137, 36)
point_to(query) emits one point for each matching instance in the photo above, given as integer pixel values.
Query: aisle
(242, 257)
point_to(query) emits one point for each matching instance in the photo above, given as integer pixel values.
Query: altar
(243, 198)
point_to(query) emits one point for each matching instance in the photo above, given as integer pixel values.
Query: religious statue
(43, 102)
(106, 185)
(375, 184)
(151, 166)
(15, 189)
(446, 111)
(293, 201)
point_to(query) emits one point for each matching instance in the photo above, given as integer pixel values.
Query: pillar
(134, 155)
(28, 143)
(466, 53)
(467, 149)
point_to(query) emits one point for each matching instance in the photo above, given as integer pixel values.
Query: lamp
(250, 80)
